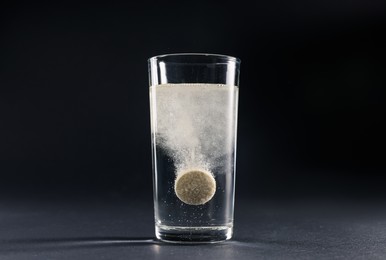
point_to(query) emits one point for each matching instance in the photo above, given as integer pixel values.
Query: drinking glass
(193, 104)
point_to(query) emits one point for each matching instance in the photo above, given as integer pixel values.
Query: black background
(74, 108)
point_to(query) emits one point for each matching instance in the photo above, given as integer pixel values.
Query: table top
(124, 229)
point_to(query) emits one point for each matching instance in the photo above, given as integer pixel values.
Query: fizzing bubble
(192, 124)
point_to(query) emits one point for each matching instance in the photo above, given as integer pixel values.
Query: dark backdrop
(74, 109)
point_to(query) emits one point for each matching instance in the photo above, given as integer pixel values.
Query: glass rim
(187, 54)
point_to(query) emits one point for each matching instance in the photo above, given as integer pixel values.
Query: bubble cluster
(194, 123)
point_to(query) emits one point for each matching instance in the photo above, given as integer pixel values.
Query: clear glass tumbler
(193, 104)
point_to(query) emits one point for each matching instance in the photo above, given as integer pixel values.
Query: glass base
(193, 234)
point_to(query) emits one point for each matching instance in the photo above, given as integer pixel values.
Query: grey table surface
(124, 229)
